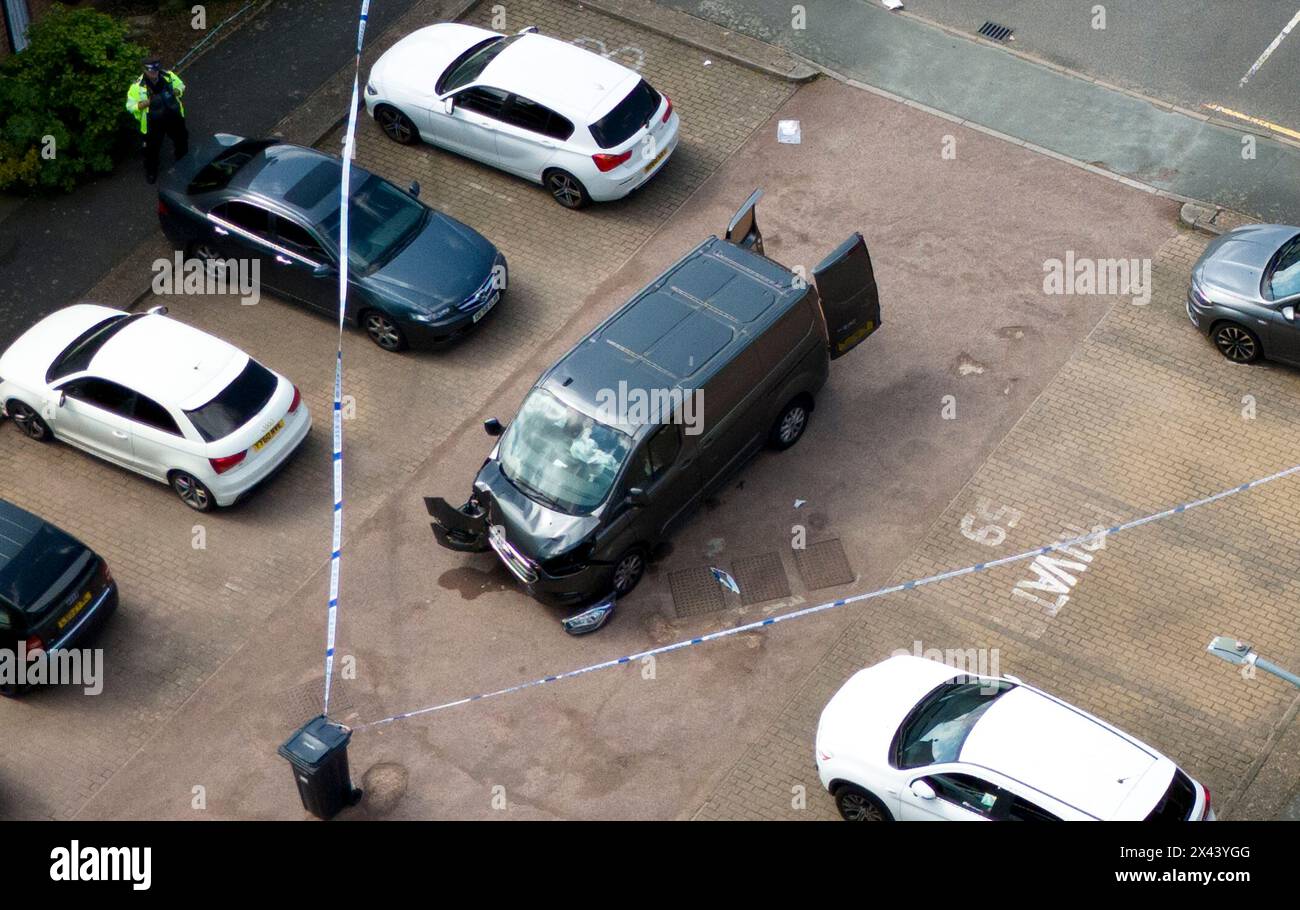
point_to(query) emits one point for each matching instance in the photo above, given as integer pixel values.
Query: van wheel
(28, 421)
(858, 805)
(628, 571)
(790, 423)
(566, 189)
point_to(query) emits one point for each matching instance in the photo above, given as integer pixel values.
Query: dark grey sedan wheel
(567, 189)
(396, 125)
(29, 421)
(383, 330)
(857, 805)
(192, 492)
(1238, 343)
(628, 571)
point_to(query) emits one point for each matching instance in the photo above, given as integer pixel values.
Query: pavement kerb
(1241, 126)
(707, 36)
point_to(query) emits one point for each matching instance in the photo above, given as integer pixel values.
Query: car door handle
(120, 435)
(283, 260)
(220, 231)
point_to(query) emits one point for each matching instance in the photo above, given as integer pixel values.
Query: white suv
(154, 396)
(582, 125)
(916, 740)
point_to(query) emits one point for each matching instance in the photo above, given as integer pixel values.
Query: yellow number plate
(651, 166)
(76, 609)
(261, 443)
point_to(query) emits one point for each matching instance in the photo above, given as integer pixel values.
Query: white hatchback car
(914, 739)
(155, 396)
(585, 127)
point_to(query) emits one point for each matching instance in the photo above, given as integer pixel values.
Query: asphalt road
(52, 250)
(1189, 52)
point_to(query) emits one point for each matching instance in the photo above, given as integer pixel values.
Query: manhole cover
(695, 592)
(301, 703)
(995, 32)
(761, 578)
(824, 564)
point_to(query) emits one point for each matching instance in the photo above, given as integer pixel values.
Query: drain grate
(695, 592)
(824, 564)
(995, 32)
(761, 578)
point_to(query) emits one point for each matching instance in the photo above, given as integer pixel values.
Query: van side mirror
(448, 105)
(63, 398)
(157, 310)
(1289, 313)
(637, 498)
(493, 427)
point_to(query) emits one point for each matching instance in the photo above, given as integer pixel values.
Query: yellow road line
(1285, 131)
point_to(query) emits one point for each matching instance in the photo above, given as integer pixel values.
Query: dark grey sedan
(1245, 293)
(415, 275)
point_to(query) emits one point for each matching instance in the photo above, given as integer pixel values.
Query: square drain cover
(301, 703)
(824, 564)
(696, 592)
(761, 578)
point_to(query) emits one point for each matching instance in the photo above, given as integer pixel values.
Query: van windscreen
(561, 458)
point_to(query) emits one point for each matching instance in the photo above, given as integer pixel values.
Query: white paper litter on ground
(892, 4)
(725, 580)
(789, 132)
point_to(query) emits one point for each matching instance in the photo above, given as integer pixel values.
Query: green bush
(69, 84)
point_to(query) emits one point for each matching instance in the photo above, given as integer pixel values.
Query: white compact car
(585, 127)
(155, 396)
(916, 740)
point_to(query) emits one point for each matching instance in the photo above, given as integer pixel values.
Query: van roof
(682, 328)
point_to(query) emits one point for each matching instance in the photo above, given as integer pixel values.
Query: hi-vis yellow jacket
(140, 92)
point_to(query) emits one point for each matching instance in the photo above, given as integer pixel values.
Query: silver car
(1245, 293)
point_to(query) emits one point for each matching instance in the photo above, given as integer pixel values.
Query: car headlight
(370, 89)
(427, 318)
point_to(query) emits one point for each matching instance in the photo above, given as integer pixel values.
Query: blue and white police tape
(345, 193)
(857, 598)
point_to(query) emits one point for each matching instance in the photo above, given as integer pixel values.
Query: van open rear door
(743, 229)
(846, 285)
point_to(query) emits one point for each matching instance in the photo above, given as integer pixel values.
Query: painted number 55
(989, 527)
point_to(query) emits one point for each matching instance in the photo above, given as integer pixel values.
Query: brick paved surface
(185, 611)
(1144, 416)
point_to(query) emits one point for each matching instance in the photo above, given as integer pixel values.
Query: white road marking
(1268, 51)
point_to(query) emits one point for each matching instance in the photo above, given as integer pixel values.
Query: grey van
(620, 440)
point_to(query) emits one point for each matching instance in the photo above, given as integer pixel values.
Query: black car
(416, 276)
(54, 590)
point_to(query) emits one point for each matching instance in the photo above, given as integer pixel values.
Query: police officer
(155, 100)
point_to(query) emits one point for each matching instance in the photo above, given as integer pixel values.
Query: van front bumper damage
(467, 530)
(464, 529)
